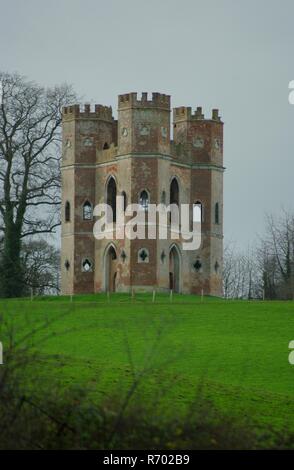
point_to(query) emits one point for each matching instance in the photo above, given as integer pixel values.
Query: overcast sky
(231, 54)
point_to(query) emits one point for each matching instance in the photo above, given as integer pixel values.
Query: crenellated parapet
(184, 113)
(87, 112)
(131, 100)
(197, 138)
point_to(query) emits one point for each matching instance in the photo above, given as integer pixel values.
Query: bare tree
(30, 121)
(228, 269)
(276, 256)
(268, 270)
(240, 274)
(41, 263)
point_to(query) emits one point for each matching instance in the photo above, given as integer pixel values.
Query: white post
(202, 294)
(263, 294)
(71, 297)
(153, 296)
(171, 295)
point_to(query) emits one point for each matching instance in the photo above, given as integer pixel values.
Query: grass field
(237, 350)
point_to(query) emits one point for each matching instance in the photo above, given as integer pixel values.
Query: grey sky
(232, 54)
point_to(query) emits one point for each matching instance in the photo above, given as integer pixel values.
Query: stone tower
(135, 157)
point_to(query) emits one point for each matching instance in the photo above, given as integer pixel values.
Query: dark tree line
(30, 152)
(276, 257)
(267, 271)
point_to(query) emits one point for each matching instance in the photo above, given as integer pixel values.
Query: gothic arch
(110, 267)
(175, 268)
(144, 198)
(174, 191)
(87, 210)
(110, 194)
(201, 206)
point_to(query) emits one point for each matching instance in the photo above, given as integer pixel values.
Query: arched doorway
(174, 269)
(110, 267)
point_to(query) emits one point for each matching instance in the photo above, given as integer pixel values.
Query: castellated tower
(135, 157)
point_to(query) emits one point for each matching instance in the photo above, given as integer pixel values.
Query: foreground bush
(34, 417)
(72, 422)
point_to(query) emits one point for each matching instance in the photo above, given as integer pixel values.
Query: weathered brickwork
(134, 156)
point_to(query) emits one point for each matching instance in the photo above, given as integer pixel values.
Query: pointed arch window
(67, 211)
(216, 213)
(111, 196)
(174, 192)
(87, 211)
(198, 212)
(174, 200)
(144, 200)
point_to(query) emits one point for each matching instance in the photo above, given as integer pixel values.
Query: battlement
(87, 111)
(184, 113)
(159, 100)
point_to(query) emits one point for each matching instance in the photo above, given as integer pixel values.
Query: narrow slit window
(67, 211)
(216, 213)
(124, 200)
